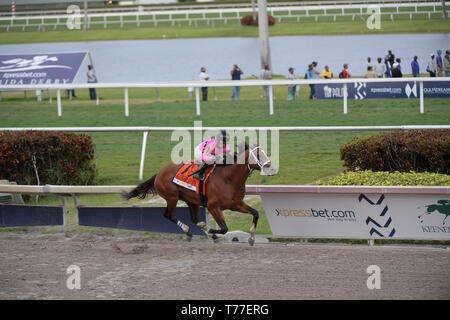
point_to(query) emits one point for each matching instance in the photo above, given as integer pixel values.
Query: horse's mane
(241, 148)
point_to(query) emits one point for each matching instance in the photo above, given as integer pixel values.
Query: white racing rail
(61, 190)
(187, 13)
(197, 6)
(226, 83)
(282, 191)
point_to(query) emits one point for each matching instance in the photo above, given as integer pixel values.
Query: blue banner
(48, 68)
(383, 90)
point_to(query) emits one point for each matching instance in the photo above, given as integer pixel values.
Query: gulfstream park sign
(55, 68)
(383, 90)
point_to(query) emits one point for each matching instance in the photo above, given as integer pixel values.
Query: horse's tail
(142, 189)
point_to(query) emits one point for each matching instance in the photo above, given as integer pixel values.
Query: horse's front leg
(217, 214)
(245, 208)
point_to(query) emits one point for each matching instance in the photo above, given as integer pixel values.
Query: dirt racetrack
(33, 266)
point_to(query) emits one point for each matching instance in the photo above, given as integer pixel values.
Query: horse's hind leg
(194, 211)
(169, 214)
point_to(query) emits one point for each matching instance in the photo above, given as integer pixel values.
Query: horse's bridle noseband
(259, 163)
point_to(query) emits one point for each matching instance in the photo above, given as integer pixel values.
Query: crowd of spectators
(387, 67)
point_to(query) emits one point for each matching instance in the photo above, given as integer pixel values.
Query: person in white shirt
(379, 68)
(92, 78)
(431, 67)
(203, 76)
(292, 87)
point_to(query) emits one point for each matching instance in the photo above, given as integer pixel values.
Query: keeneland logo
(442, 207)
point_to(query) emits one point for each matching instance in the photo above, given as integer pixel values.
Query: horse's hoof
(251, 242)
(215, 238)
(189, 236)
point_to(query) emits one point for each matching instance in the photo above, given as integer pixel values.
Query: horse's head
(257, 159)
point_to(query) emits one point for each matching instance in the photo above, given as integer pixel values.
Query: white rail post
(65, 210)
(422, 108)
(76, 205)
(127, 111)
(197, 100)
(144, 146)
(344, 87)
(58, 98)
(270, 100)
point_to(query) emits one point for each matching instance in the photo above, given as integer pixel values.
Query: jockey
(207, 151)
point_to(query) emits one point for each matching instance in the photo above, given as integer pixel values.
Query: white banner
(358, 216)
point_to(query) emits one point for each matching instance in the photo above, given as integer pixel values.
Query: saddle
(184, 178)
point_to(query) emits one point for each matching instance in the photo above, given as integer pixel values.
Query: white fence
(189, 6)
(352, 212)
(228, 83)
(211, 15)
(146, 130)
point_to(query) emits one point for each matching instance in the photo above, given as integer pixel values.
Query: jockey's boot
(200, 173)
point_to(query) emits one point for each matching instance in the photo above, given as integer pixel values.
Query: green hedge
(405, 151)
(59, 157)
(383, 178)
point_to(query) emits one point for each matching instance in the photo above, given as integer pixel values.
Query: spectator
(292, 88)
(236, 75)
(369, 63)
(315, 72)
(310, 76)
(390, 57)
(204, 77)
(431, 67)
(344, 74)
(327, 73)
(415, 67)
(379, 68)
(396, 71)
(370, 73)
(92, 78)
(447, 63)
(388, 68)
(439, 64)
(398, 61)
(266, 74)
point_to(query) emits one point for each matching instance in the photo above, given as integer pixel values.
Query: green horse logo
(442, 207)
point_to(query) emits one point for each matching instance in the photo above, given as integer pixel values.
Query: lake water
(181, 59)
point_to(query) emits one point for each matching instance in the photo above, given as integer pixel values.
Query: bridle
(259, 163)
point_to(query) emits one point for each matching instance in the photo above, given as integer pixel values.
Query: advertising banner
(138, 218)
(383, 90)
(359, 216)
(52, 68)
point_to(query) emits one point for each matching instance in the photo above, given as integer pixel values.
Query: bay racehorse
(225, 189)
